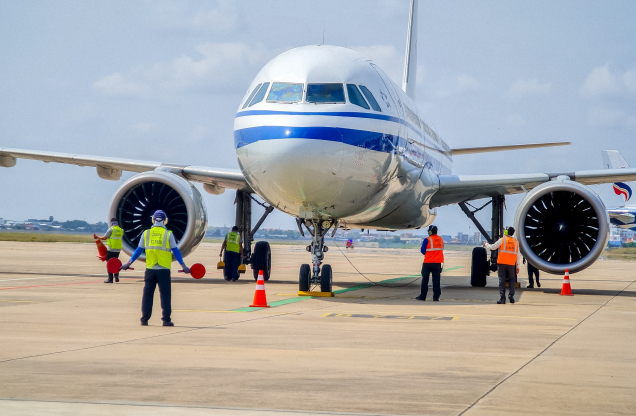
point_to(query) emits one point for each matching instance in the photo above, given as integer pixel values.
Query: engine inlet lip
(565, 186)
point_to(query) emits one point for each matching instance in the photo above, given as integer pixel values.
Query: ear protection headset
(506, 232)
(431, 228)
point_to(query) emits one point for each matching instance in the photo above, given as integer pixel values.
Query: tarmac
(70, 344)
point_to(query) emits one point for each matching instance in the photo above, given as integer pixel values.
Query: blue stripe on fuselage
(381, 142)
(353, 114)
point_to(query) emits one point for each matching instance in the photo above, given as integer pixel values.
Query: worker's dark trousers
(112, 255)
(232, 261)
(436, 270)
(532, 271)
(506, 271)
(153, 278)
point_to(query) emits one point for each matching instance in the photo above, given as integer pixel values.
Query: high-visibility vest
(434, 250)
(115, 239)
(232, 241)
(508, 251)
(157, 241)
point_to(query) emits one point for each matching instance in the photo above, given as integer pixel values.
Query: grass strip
(28, 237)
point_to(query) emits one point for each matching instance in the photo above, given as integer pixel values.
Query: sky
(162, 80)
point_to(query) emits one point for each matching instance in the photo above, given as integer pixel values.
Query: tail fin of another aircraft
(410, 58)
(612, 159)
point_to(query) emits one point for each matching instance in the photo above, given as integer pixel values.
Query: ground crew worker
(157, 242)
(433, 251)
(532, 271)
(506, 263)
(233, 254)
(114, 242)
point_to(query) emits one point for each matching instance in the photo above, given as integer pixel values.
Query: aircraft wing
(111, 168)
(454, 189)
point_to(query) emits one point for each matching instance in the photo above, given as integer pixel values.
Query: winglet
(410, 58)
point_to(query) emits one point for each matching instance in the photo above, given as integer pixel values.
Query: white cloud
(179, 16)
(222, 18)
(629, 79)
(602, 81)
(524, 87)
(458, 86)
(118, 85)
(219, 67)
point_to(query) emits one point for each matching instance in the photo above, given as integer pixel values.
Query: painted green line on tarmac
(350, 289)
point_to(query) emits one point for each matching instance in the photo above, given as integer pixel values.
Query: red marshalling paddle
(197, 270)
(113, 266)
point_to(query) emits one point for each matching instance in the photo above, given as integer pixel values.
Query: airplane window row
(332, 93)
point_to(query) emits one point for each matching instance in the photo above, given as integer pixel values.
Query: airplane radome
(323, 135)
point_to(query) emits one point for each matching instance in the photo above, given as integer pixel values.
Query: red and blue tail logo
(621, 188)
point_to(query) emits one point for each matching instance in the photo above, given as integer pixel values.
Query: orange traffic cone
(260, 300)
(566, 290)
(101, 250)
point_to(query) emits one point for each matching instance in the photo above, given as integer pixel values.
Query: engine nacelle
(562, 225)
(139, 197)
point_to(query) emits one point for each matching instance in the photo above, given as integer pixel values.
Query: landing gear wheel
(303, 278)
(262, 260)
(325, 278)
(479, 267)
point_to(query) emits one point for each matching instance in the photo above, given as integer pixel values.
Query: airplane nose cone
(295, 167)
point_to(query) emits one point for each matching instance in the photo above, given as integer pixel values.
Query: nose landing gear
(318, 273)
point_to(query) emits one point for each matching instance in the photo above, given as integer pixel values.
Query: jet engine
(562, 225)
(140, 196)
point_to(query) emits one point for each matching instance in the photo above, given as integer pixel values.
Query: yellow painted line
(19, 301)
(316, 294)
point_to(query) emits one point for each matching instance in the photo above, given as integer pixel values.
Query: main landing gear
(480, 266)
(261, 258)
(317, 273)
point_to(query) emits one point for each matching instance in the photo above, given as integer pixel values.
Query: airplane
(625, 216)
(325, 136)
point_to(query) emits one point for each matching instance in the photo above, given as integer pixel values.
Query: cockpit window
(261, 94)
(370, 98)
(355, 97)
(251, 95)
(285, 92)
(325, 93)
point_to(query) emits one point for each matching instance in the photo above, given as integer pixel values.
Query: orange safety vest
(434, 250)
(508, 251)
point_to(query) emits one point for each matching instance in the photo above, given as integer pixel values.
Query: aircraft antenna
(410, 58)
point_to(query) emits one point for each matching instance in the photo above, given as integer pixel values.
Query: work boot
(144, 323)
(501, 302)
(168, 323)
(109, 280)
(531, 287)
(512, 300)
(420, 298)
(435, 300)
(538, 284)
(117, 279)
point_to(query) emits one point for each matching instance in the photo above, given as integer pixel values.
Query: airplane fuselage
(323, 133)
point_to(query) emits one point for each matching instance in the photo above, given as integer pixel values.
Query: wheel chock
(316, 294)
